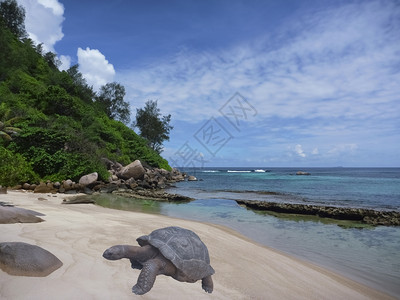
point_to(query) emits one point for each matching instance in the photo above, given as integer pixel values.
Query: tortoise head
(115, 252)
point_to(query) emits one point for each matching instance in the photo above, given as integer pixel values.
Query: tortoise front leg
(147, 277)
(207, 284)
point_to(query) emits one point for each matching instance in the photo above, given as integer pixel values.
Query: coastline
(78, 234)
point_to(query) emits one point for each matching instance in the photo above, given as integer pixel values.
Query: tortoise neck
(140, 254)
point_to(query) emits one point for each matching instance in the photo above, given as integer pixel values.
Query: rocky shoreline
(366, 216)
(137, 181)
(133, 181)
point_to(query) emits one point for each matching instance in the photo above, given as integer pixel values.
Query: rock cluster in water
(367, 216)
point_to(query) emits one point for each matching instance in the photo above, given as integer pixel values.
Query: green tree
(153, 126)
(78, 86)
(52, 60)
(111, 101)
(13, 17)
(76, 76)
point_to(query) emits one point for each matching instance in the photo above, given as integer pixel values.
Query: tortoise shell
(183, 248)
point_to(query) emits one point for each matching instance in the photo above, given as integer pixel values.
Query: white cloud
(65, 62)
(43, 21)
(315, 151)
(329, 80)
(331, 64)
(54, 5)
(298, 149)
(95, 67)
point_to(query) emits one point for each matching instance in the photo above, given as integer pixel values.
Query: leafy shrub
(14, 169)
(21, 82)
(76, 165)
(57, 101)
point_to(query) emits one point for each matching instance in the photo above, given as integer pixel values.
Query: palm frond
(5, 136)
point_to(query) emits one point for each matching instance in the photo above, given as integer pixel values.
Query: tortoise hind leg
(147, 277)
(207, 284)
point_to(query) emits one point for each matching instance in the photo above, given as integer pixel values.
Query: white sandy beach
(78, 234)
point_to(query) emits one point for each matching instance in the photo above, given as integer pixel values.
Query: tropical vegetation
(53, 125)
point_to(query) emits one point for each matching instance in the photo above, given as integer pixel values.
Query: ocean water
(370, 255)
(377, 188)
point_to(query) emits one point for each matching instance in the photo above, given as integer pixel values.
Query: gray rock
(11, 214)
(367, 216)
(88, 179)
(133, 170)
(109, 188)
(79, 200)
(87, 191)
(22, 259)
(44, 188)
(67, 184)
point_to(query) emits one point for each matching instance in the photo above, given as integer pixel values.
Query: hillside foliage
(52, 127)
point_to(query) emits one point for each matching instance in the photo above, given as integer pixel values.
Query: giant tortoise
(171, 251)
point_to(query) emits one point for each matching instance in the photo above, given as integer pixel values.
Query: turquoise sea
(370, 255)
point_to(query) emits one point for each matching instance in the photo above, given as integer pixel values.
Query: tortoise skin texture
(171, 251)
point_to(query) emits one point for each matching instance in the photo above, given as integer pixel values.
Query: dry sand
(78, 234)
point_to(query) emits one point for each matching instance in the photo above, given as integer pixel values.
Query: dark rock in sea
(302, 173)
(153, 195)
(367, 216)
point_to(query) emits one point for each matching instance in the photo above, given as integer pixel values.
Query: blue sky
(248, 83)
